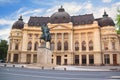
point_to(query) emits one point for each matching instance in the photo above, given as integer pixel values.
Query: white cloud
(6, 22)
(4, 34)
(73, 8)
(26, 13)
(8, 1)
(46, 2)
(111, 10)
(106, 1)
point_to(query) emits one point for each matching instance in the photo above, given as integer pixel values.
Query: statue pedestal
(44, 56)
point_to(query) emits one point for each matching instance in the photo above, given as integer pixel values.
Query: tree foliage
(3, 49)
(118, 21)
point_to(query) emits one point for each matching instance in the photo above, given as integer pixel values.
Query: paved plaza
(27, 72)
(10, 73)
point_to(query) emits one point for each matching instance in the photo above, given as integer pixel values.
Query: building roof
(105, 20)
(82, 19)
(63, 17)
(18, 24)
(38, 21)
(60, 17)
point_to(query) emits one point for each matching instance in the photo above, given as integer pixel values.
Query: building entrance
(76, 59)
(84, 60)
(65, 61)
(15, 58)
(28, 58)
(114, 59)
(58, 60)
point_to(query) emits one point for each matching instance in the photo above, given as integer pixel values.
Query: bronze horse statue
(45, 34)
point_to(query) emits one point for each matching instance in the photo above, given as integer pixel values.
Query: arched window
(106, 46)
(76, 46)
(65, 45)
(52, 45)
(90, 45)
(83, 45)
(59, 45)
(29, 45)
(113, 45)
(36, 46)
(16, 46)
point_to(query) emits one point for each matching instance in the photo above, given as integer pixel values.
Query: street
(11, 73)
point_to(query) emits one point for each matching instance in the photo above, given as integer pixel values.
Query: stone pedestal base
(44, 56)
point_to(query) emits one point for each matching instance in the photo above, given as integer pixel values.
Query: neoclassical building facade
(76, 40)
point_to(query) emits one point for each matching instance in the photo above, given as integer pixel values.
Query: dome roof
(18, 24)
(106, 21)
(60, 17)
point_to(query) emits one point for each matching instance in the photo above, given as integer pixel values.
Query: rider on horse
(45, 33)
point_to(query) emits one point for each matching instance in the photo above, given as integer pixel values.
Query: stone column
(80, 42)
(109, 44)
(111, 58)
(62, 41)
(117, 44)
(20, 42)
(80, 59)
(25, 41)
(33, 42)
(11, 59)
(31, 58)
(13, 45)
(87, 59)
(97, 43)
(55, 41)
(71, 42)
(23, 58)
(87, 46)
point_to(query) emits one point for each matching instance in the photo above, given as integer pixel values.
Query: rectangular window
(91, 59)
(84, 59)
(65, 61)
(106, 59)
(76, 59)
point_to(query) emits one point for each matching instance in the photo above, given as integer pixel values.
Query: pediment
(59, 27)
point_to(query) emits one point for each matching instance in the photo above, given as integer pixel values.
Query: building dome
(60, 17)
(106, 21)
(18, 24)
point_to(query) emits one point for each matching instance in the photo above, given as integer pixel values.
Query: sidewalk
(89, 68)
(71, 68)
(77, 68)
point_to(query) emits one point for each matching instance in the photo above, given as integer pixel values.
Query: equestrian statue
(45, 33)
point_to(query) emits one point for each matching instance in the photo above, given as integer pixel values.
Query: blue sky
(10, 10)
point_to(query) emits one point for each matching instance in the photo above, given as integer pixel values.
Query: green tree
(3, 49)
(118, 21)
